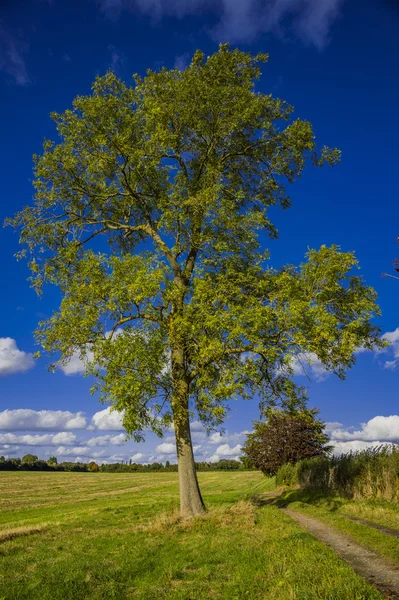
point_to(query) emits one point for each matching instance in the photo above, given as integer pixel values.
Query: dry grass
(10, 534)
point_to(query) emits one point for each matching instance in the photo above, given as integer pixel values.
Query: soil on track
(376, 570)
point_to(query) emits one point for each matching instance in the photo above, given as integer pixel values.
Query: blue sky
(336, 63)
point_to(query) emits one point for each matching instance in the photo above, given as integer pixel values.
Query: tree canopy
(150, 215)
(286, 437)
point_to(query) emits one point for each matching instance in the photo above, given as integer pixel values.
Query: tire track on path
(370, 565)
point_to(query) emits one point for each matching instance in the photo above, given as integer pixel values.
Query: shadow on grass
(283, 499)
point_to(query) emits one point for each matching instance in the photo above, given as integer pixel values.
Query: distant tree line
(30, 462)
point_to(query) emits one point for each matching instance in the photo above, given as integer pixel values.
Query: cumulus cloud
(64, 437)
(13, 360)
(393, 338)
(355, 446)
(238, 437)
(137, 457)
(197, 426)
(25, 419)
(12, 50)
(105, 440)
(224, 451)
(243, 20)
(378, 429)
(80, 452)
(166, 448)
(75, 365)
(107, 420)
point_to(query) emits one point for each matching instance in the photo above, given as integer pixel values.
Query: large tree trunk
(191, 502)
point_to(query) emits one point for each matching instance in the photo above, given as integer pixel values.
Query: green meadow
(97, 535)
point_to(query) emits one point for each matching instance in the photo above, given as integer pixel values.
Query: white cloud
(12, 50)
(355, 446)
(105, 440)
(243, 20)
(238, 437)
(108, 420)
(137, 457)
(379, 428)
(330, 426)
(64, 437)
(75, 365)
(80, 451)
(310, 363)
(215, 438)
(13, 360)
(226, 450)
(25, 419)
(197, 426)
(390, 364)
(393, 338)
(166, 448)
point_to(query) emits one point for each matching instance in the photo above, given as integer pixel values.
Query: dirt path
(383, 575)
(382, 528)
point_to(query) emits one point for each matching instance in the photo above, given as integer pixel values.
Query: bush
(288, 475)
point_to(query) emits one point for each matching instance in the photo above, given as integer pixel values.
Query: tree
(286, 437)
(151, 214)
(29, 460)
(247, 463)
(93, 467)
(52, 461)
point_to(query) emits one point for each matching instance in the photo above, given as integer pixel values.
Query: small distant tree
(29, 460)
(52, 461)
(247, 463)
(227, 464)
(93, 467)
(286, 437)
(167, 464)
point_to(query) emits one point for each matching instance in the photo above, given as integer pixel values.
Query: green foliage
(147, 214)
(287, 436)
(52, 460)
(93, 467)
(29, 460)
(247, 463)
(288, 475)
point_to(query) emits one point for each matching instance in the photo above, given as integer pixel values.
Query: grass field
(96, 535)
